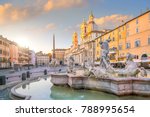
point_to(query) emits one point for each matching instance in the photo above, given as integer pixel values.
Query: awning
(144, 61)
(137, 60)
(113, 62)
(121, 61)
(96, 63)
(112, 52)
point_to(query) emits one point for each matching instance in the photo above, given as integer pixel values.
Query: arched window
(144, 56)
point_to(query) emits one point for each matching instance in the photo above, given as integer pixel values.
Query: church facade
(85, 50)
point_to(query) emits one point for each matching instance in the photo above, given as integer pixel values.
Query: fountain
(127, 81)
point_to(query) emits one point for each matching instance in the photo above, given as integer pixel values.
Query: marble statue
(53, 62)
(104, 62)
(88, 64)
(105, 70)
(71, 65)
(131, 68)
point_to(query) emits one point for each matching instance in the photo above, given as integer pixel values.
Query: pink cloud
(58, 4)
(50, 26)
(9, 13)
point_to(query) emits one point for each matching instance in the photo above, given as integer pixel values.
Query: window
(137, 43)
(84, 29)
(149, 40)
(127, 45)
(113, 39)
(120, 47)
(136, 57)
(144, 56)
(137, 30)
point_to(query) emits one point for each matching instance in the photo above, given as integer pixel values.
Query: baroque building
(85, 51)
(132, 37)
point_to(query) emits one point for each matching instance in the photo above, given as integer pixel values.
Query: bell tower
(75, 40)
(91, 17)
(91, 22)
(83, 28)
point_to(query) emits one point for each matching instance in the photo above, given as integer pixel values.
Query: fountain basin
(76, 82)
(117, 86)
(48, 91)
(59, 79)
(18, 96)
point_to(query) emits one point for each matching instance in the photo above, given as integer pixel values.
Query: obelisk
(53, 46)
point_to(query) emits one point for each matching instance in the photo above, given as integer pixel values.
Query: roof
(59, 49)
(5, 39)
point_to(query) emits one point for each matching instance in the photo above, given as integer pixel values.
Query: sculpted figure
(53, 62)
(104, 62)
(70, 64)
(131, 68)
(105, 70)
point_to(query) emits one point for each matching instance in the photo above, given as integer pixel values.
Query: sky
(32, 23)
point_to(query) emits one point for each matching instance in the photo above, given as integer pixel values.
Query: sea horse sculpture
(131, 68)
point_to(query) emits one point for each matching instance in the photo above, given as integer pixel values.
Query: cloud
(9, 13)
(73, 28)
(59, 4)
(112, 21)
(41, 29)
(50, 26)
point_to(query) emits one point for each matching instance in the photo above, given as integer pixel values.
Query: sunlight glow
(23, 42)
